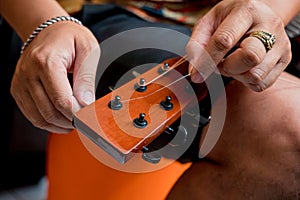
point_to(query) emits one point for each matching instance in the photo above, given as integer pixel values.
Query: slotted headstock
(132, 116)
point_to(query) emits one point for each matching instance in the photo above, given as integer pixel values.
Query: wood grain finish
(114, 131)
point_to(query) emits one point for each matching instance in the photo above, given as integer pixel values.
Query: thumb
(201, 64)
(85, 69)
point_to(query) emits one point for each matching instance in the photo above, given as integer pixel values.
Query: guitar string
(177, 80)
(166, 86)
(177, 63)
(183, 59)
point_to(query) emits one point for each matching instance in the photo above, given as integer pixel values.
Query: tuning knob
(141, 86)
(167, 104)
(115, 104)
(163, 68)
(180, 138)
(151, 156)
(140, 122)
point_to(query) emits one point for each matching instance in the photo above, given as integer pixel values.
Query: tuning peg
(141, 86)
(151, 156)
(115, 104)
(167, 104)
(163, 68)
(180, 138)
(140, 122)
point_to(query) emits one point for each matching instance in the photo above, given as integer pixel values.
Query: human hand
(40, 83)
(220, 40)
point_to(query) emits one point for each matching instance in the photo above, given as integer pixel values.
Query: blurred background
(22, 146)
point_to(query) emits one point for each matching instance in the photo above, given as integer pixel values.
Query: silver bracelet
(45, 25)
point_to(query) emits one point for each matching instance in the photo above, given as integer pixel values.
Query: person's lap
(258, 153)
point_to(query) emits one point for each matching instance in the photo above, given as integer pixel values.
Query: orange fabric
(75, 174)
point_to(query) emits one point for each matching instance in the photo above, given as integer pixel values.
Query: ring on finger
(266, 38)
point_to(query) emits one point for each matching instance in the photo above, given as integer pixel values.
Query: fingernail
(88, 97)
(75, 105)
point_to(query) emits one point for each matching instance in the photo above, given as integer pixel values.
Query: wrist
(25, 16)
(44, 25)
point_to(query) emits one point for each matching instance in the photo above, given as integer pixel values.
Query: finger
(276, 59)
(84, 76)
(224, 38)
(250, 54)
(75, 105)
(46, 108)
(58, 89)
(27, 107)
(195, 48)
(228, 33)
(269, 79)
(264, 75)
(200, 65)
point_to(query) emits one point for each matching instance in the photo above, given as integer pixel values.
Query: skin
(227, 26)
(40, 84)
(258, 153)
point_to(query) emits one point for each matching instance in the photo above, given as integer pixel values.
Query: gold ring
(266, 38)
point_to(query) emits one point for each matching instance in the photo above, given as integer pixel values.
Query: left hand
(227, 26)
(40, 84)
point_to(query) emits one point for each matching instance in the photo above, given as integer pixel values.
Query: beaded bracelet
(45, 25)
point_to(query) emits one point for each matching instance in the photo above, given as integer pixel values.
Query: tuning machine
(140, 122)
(167, 104)
(141, 86)
(163, 68)
(115, 104)
(151, 155)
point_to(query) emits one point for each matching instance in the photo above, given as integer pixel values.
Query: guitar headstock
(132, 116)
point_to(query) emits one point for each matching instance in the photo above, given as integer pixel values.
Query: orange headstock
(132, 116)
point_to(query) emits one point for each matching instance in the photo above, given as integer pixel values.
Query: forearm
(285, 9)
(25, 16)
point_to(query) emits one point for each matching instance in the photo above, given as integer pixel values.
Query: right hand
(226, 27)
(40, 83)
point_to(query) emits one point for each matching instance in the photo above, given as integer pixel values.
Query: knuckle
(284, 62)
(251, 6)
(38, 56)
(60, 103)
(44, 59)
(50, 116)
(40, 123)
(286, 59)
(262, 86)
(224, 40)
(258, 75)
(251, 57)
(277, 21)
(87, 79)
(259, 87)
